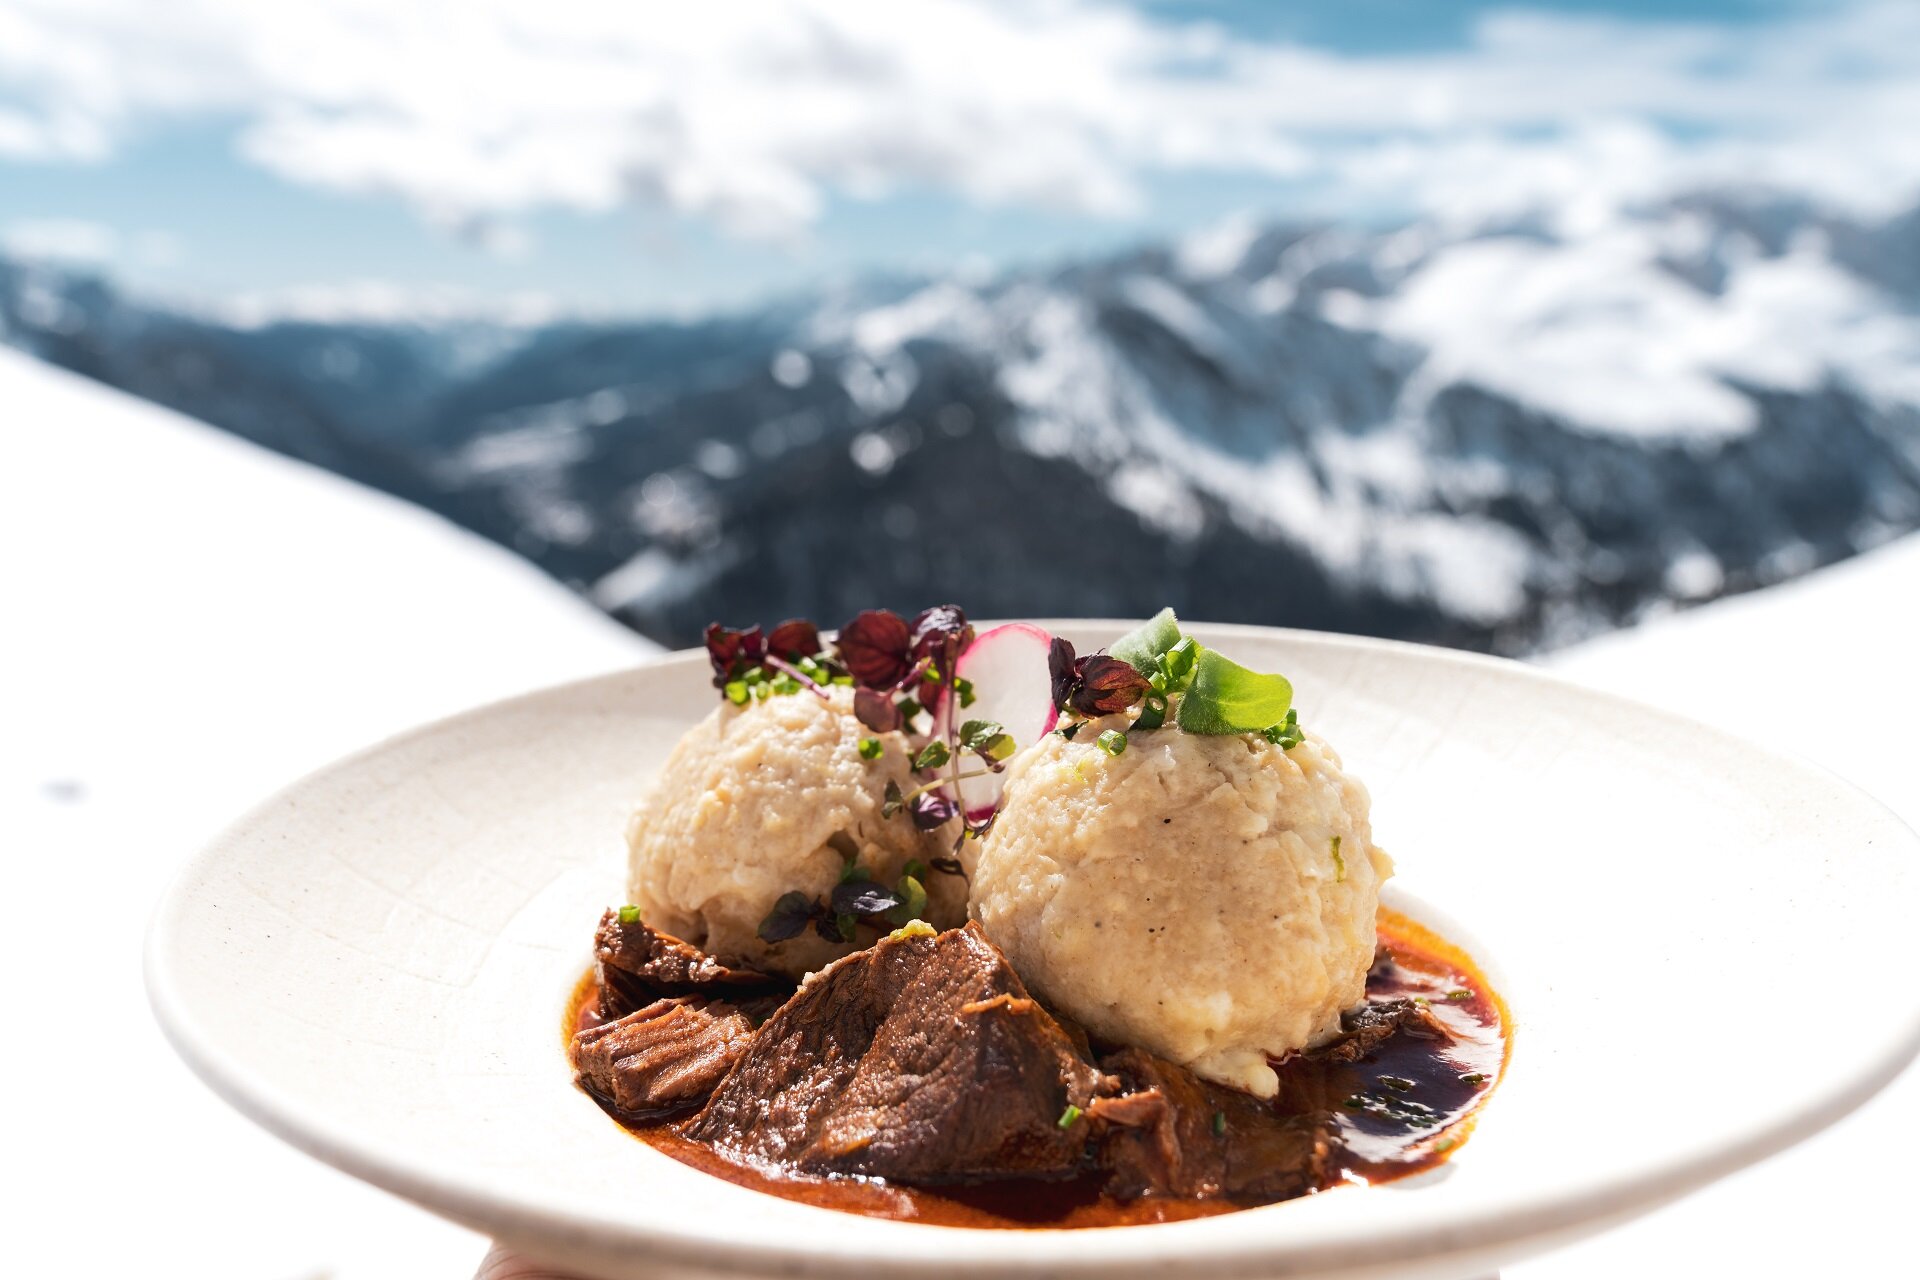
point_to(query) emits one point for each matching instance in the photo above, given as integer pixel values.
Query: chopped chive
(1219, 1124)
(870, 748)
(1474, 1077)
(1339, 863)
(1459, 997)
(737, 692)
(1113, 742)
(1400, 1084)
(1070, 1116)
(629, 914)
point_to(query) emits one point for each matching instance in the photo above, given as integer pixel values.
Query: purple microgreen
(789, 916)
(733, 653)
(1060, 665)
(876, 710)
(930, 809)
(876, 648)
(863, 898)
(794, 639)
(949, 866)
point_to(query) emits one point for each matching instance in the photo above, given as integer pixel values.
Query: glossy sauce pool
(1404, 1108)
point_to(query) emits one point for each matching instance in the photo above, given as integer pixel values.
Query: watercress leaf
(1142, 646)
(975, 732)
(1226, 697)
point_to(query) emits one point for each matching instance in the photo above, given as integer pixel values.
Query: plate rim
(1521, 1224)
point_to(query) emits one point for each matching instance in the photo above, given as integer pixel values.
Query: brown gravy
(1402, 1110)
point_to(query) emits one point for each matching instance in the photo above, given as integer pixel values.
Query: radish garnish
(1013, 687)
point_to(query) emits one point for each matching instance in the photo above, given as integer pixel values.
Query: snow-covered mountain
(1501, 437)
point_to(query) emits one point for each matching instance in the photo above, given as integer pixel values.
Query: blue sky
(614, 165)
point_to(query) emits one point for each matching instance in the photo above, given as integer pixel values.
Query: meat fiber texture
(761, 800)
(1188, 896)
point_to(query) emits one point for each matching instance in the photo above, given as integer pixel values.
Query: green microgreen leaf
(909, 708)
(997, 748)
(913, 901)
(1228, 698)
(1068, 731)
(1143, 645)
(848, 924)
(931, 756)
(915, 868)
(629, 914)
(893, 802)
(1113, 742)
(871, 748)
(1070, 1117)
(964, 688)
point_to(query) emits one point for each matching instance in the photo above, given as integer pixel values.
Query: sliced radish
(1012, 684)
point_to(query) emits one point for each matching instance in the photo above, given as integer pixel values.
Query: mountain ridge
(1503, 438)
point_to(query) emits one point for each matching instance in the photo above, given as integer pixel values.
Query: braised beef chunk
(669, 1054)
(1364, 1029)
(1172, 1134)
(638, 965)
(921, 1059)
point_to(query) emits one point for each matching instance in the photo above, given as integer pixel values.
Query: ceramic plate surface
(374, 965)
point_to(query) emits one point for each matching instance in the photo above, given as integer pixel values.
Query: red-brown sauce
(1403, 1109)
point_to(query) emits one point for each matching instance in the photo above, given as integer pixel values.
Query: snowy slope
(192, 622)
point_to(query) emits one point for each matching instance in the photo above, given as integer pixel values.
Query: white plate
(1705, 946)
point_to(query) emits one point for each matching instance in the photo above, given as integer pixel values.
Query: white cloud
(69, 240)
(753, 115)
